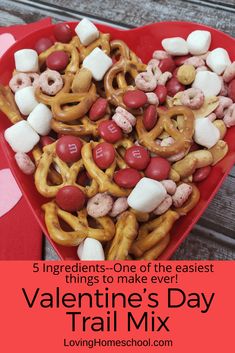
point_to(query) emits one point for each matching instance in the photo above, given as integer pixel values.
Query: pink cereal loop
(169, 185)
(192, 98)
(168, 141)
(24, 163)
(34, 79)
(153, 67)
(202, 68)
(122, 122)
(164, 78)
(183, 191)
(152, 98)
(229, 117)
(224, 103)
(212, 117)
(45, 80)
(164, 206)
(19, 81)
(120, 205)
(196, 61)
(160, 55)
(99, 205)
(224, 88)
(146, 81)
(229, 73)
(131, 118)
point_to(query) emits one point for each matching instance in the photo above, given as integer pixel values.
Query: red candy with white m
(137, 157)
(103, 155)
(68, 148)
(109, 131)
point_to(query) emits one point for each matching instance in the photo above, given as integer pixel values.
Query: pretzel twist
(8, 105)
(68, 174)
(102, 42)
(59, 103)
(152, 232)
(104, 230)
(126, 232)
(183, 137)
(103, 178)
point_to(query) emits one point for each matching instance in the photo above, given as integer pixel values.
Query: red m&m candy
(109, 131)
(43, 44)
(150, 117)
(167, 64)
(58, 60)
(98, 109)
(127, 178)
(135, 99)
(137, 157)
(161, 93)
(70, 198)
(174, 86)
(62, 32)
(68, 148)
(103, 155)
(158, 169)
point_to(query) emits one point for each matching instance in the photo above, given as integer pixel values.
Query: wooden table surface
(213, 237)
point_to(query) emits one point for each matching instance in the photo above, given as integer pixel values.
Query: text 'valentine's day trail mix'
(118, 145)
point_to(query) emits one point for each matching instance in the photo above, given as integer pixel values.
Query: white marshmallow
(26, 60)
(21, 137)
(146, 195)
(199, 42)
(87, 31)
(175, 46)
(90, 249)
(40, 119)
(218, 60)
(206, 133)
(209, 82)
(98, 63)
(25, 100)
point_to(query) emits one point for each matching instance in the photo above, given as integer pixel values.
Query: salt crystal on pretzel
(26, 60)
(21, 137)
(208, 82)
(98, 63)
(199, 42)
(146, 195)
(86, 31)
(217, 60)
(90, 250)
(40, 119)
(175, 46)
(206, 133)
(25, 100)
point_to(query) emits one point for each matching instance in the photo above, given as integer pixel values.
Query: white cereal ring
(196, 61)
(169, 185)
(131, 118)
(192, 98)
(168, 141)
(164, 78)
(229, 117)
(146, 81)
(34, 79)
(50, 82)
(154, 68)
(229, 73)
(122, 122)
(19, 81)
(164, 206)
(212, 117)
(224, 88)
(183, 191)
(119, 206)
(152, 98)
(224, 103)
(160, 54)
(99, 205)
(24, 163)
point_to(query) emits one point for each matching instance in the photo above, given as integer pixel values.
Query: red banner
(117, 307)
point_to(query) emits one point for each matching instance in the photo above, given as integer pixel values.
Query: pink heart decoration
(6, 41)
(10, 193)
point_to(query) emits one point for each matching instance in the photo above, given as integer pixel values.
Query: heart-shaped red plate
(143, 41)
